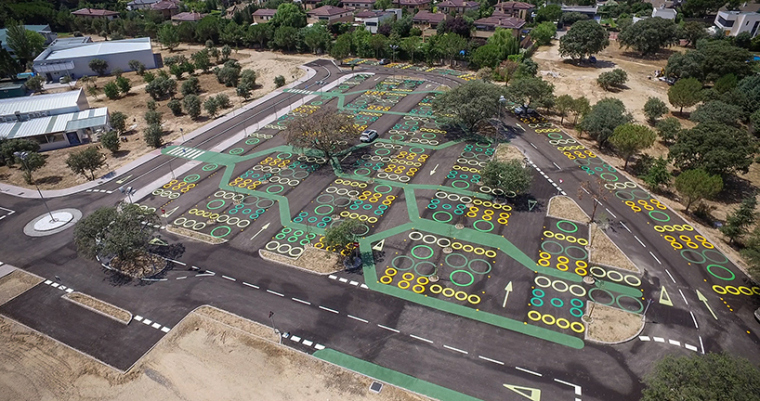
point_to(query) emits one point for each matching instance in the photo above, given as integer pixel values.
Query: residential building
(310, 4)
(358, 4)
(457, 6)
(95, 13)
(329, 14)
(515, 9)
(665, 13)
(190, 16)
(55, 121)
(590, 11)
(55, 62)
(412, 4)
(736, 22)
(428, 22)
(43, 30)
(485, 27)
(263, 15)
(371, 19)
(229, 13)
(167, 8)
(140, 4)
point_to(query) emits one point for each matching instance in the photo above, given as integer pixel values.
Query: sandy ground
(603, 251)
(563, 207)
(612, 325)
(200, 359)
(15, 284)
(103, 307)
(55, 174)
(506, 152)
(312, 259)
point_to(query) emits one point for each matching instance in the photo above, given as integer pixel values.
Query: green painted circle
(393, 263)
(554, 135)
(210, 167)
(383, 187)
(591, 297)
(440, 220)
(229, 230)
(467, 184)
(487, 270)
(475, 226)
(584, 253)
(192, 178)
(209, 207)
(424, 263)
(556, 302)
(711, 251)
(451, 278)
(357, 171)
(432, 252)
(732, 275)
(236, 151)
(417, 150)
(561, 248)
(252, 141)
(667, 217)
(579, 312)
(575, 227)
(697, 262)
(289, 155)
(317, 102)
(270, 189)
(640, 308)
(609, 179)
(453, 265)
(316, 210)
(382, 152)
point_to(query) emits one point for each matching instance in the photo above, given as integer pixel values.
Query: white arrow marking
(508, 289)
(433, 171)
(264, 227)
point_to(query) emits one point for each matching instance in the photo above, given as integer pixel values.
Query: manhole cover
(376, 387)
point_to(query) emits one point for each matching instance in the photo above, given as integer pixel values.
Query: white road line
(307, 343)
(69, 290)
(359, 319)
(597, 201)
(584, 190)
(165, 329)
(328, 309)
(490, 360)
(204, 275)
(343, 280)
(54, 285)
(684, 297)
(354, 283)
(251, 285)
(658, 339)
(295, 338)
(138, 318)
(421, 339)
(319, 346)
(301, 301)
(275, 293)
(195, 267)
(528, 371)
(455, 349)
(228, 278)
(2, 217)
(181, 278)
(388, 328)
(694, 319)
(625, 226)
(332, 276)
(147, 321)
(637, 239)
(670, 275)
(644, 338)
(531, 144)
(674, 342)
(702, 345)
(577, 387)
(555, 165)
(177, 262)
(691, 347)
(364, 286)
(48, 282)
(655, 257)
(612, 214)
(155, 326)
(209, 271)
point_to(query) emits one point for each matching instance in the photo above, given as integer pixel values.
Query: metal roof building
(43, 105)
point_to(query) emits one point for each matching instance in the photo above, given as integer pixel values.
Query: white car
(368, 136)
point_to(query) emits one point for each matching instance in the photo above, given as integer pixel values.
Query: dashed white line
(490, 360)
(359, 319)
(319, 347)
(531, 144)
(637, 239)
(612, 214)
(328, 309)
(165, 329)
(421, 339)
(354, 283)
(210, 272)
(364, 286)
(69, 290)
(555, 165)
(332, 276)
(177, 262)
(577, 387)
(138, 318)
(674, 342)
(691, 347)
(251, 285)
(694, 319)
(658, 339)
(147, 321)
(684, 297)
(295, 338)
(455, 349)
(343, 280)
(701, 345)
(181, 278)
(655, 257)
(301, 301)
(275, 293)
(625, 226)
(48, 282)
(644, 338)
(308, 343)
(586, 191)
(204, 275)
(670, 275)
(388, 328)
(155, 326)
(528, 371)
(195, 267)
(54, 285)
(597, 201)
(228, 278)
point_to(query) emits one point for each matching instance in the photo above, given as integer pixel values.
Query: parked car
(757, 314)
(523, 111)
(384, 61)
(368, 136)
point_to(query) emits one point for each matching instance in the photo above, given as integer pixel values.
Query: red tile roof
(188, 16)
(500, 22)
(359, 1)
(164, 5)
(426, 17)
(514, 5)
(264, 12)
(411, 3)
(94, 12)
(325, 11)
(458, 3)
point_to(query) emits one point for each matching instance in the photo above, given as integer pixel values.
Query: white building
(664, 13)
(73, 59)
(736, 22)
(374, 18)
(55, 121)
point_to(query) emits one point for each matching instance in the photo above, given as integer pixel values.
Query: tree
(654, 108)
(470, 104)
(175, 106)
(344, 234)
(716, 377)
(649, 35)
(191, 87)
(118, 121)
(658, 174)
(748, 90)
(26, 45)
(717, 112)
(228, 75)
(214, 52)
(289, 15)
(505, 41)
(726, 83)
(601, 121)
(110, 140)
(192, 106)
(153, 117)
(168, 36)
(137, 66)
(695, 185)
(327, 132)
(201, 60)
(88, 160)
(530, 90)
(693, 31)
(630, 139)
(738, 222)
(177, 70)
(510, 176)
(543, 33)
(685, 65)
(124, 85)
(685, 93)
(161, 87)
(93, 91)
(223, 101)
(226, 52)
(486, 56)
(563, 105)
(279, 81)
(614, 78)
(550, 12)
(569, 19)
(378, 44)
(111, 90)
(243, 90)
(31, 163)
(35, 83)
(211, 106)
(342, 47)
(316, 37)
(124, 232)
(153, 136)
(383, 4)
(700, 8)
(248, 77)
(11, 146)
(99, 66)
(721, 58)
(507, 69)
(716, 148)
(411, 46)
(581, 107)
(9, 66)
(668, 129)
(259, 33)
(584, 39)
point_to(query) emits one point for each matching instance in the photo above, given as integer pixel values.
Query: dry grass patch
(143, 265)
(16, 283)
(602, 251)
(563, 207)
(612, 325)
(99, 306)
(312, 259)
(506, 152)
(237, 322)
(194, 235)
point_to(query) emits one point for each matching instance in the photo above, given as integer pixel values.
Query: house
(428, 22)
(373, 19)
(736, 22)
(485, 27)
(55, 61)
(358, 4)
(329, 14)
(54, 121)
(664, 13)
(167, 8)
(95, 13)
(407, 4)
(190, 16)
(230, 12)
(457, 6)
(263, 15)
(140, 4)
(43, 30)
(515, 9)
(589, 11)
(310, 4)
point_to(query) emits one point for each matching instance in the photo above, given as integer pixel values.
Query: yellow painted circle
(633, 281)
(732, 290)
(745, 290)
(716, 287)
(544, 262)
(562, 266)
(756, 290)
(436, 288)
(422, 280)
(462, 294)
(659, 229)
(582, 241)
(479, 251)
(533, 313)
(548, 234)
(403, 285)
(407, 276)
(581, 263)
(386, 279)
(550, 321)
(559, 236)
(563, 323)
(581, 328)
(473, 299)
(570, 238)
(456, 245)
(468, 248)
(391, 272)
(563, 259)
(419, 289)
(490, 253)
(544, 255)
(448, 292)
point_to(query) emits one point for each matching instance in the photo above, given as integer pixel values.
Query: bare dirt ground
(563, 207)
(506, 152)
(603, 251)
(200, 359)
(56, 175)
(611, 325)
(15, 284)
(103, 307)
(312, 259)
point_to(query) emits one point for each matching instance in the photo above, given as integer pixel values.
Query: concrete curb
(638, 270)
(67, 297)
(641, 329)
(548, 207)
(264, 255)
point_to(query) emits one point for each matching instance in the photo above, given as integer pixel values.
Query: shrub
(279, 81)
(111, 90)
(223, 101)
(614, 78)
(191, 87)
(192, 106)
(148, 77)
(153, 117)
(98, 65)
(153, 136)
(124, 85)
(211, 106)
(175, 106)
(110, 141)
(137, 66)
(161, 87)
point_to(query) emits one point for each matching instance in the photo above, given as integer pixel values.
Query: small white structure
(664, 13)
(371, 19)
(73, 58)
(736, 22)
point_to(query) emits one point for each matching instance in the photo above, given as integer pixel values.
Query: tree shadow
(663, 54)
(49, 180)
(120, 153)
(735, 189)
(587, 64)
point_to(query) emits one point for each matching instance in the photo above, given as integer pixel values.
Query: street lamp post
(277, 332)
(502, 101)
(23, 156)
(182, 132)
(129, 191)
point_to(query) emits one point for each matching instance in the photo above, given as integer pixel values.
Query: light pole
(182, 132)
(277, 332)
(129, 191)
(502, 101)
(23, 156)
(393, 53)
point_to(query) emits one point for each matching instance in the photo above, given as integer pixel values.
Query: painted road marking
(558, 167)
(528, 371)
(204, 275)
(421, 339)
(674, 342)
(691, 347)
(147, 321)
(333, 277)
(319, 346)
(577, 387)
(54, 285)
(181, 278)
(490, 360)
(684, 297)
(69, 290)
(155, 326)
(644, 338)
(359, 319)
(702, 345)
(637, 239)
(138, 318)
(295, 338)
(343, 280)
(612, 214)
(586, 191)
(532, 394)
(354, 283)
(176, 261)
(455, 349)
(328, 309)
(625, 226)
(694, 319)
(251, 285)
(48, 282)
(655, 257)
(301, 301)
(307, 343)
(228, 278)
(165, 329)
(388, 328)
(670, 275)
(531, 144)
(364, 286)
(658, 339)
(665, 297)
(275, 293)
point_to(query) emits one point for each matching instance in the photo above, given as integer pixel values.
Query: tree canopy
(123, 232)
(327, 132)
(695, 185)
(530, 90)
(654, 108)
(584, 39)
(510, 176)
(685, 93)
(629, 139)
(606, 115)
(26, 44)
(543, 33)
(716, 148)
(88, 160)
(469, 104)
(717, 112)
(289, 14)
(649, 35)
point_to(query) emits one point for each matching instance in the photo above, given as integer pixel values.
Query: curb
(264, 254)
(124, 322)
(548, 207)
(641, 329)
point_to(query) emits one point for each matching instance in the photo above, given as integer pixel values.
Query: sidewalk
(22, 192)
